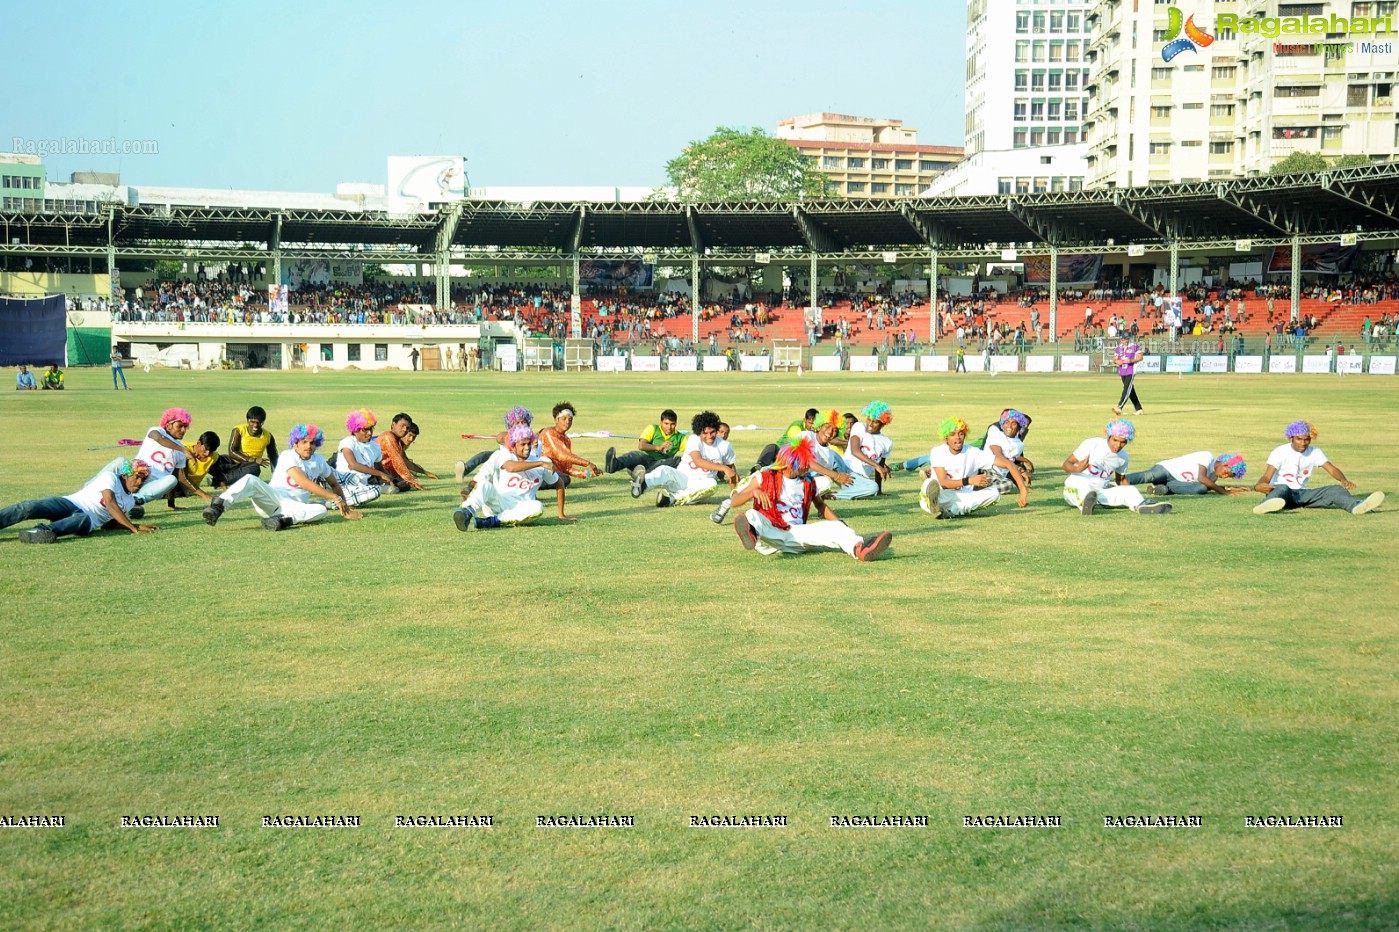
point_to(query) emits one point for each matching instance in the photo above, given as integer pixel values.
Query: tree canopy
(1312, 162)
(734, 165)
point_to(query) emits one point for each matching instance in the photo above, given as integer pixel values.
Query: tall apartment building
(1025, 98)
(865, 157)
(1252, 82)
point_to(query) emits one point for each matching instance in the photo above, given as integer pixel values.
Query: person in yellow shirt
(204, 461)
(252, 443)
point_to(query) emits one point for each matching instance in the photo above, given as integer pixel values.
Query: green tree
(734, 165)
(1351, 161)
(1298, 162)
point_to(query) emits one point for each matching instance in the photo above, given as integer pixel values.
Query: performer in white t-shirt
(1291, 465)
(107, 499)
(869, 447)
(506, 491)
(958, 478)
(299, 474)
(359, 460)
(165, 454)
(1006, 438)
(782, 497)
(1097, 474)
(696, 478)
(1194, 474)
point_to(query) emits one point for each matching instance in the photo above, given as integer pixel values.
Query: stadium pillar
(1053, 291)
(1296, 311)
(694, 299)
(1175, 263)
(113, 278)
(933, 297)
(811, 296)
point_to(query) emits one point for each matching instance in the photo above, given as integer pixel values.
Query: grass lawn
(640, 663)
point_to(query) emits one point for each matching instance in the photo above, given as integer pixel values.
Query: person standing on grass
(117, 370)
(285, 501)
(1098, 474)
(108, 499)
(782, 497)
(1194, 474)
(1126, 357)
(696, 478)
(1291, 465)
(506, 490)
(868, 447)
(252, 442)
(959, 480)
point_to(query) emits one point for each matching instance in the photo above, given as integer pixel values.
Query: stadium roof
(1316, 207)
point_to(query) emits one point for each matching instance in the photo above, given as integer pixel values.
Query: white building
(1173, 97)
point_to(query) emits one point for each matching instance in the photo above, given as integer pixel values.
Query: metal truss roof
(1315, 206)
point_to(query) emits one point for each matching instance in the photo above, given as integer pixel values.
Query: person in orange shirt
(556, 446)
(394, 443)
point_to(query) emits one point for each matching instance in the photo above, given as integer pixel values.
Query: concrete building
(1176, 101)
(866, 157)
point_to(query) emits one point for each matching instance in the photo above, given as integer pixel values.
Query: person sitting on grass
(696, 478)
(358, 459)
(516, 415)
(833, 477)
(506, 490)
(959, 480)
(24, 380)
(782, 497)
(203, 461)
(165, 454)
(300, 473)
(868, 447)
(1098, 474)
(53, 379)
(393, 446)
(659, 445)
(794, 430)
(1006, 438)
(108, 499)
(1284, 482)
(557, 448)
(252, 442)
(1194, 474)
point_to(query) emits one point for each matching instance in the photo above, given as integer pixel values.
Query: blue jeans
(117, 371)
(1157, 475)
(918, 462)
(1329, 496)
(63, 516)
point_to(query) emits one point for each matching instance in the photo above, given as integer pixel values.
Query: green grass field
(640, 663)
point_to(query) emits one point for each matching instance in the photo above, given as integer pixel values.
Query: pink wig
(1234, 462)
(301, 431)
(172, 415)
(360, 419)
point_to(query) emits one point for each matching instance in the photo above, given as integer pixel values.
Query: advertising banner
(1074, 269)
(900, 363)
(646, 364)
(1005, 363)
(1149, 364)
(1248, 363)
(1073, 363)
(1214, 364)
(610, 274)
(682, 364)
(825, 363)
(1382, 365)
(1039, 363)
(715, 364)
(864, 363)
(612, 364)
(1180, 363)
(936, 363)
(755, 363)
(1316, 365)
(1323, 259)
(1282, 364)
(1352, 365)
(416, 182)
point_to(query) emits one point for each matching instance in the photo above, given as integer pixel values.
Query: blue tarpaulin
(33, 331)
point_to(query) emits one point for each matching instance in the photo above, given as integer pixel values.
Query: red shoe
(867, 551)
(746, 536)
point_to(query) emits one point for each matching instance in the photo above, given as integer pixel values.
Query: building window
(381, 352)
(1037, 82)
(1038, 52)
(1056, 20)
(879, 164)
(353, 350)
(1056, 51)
(1190, 143)
(1056, 82)
(1221, 110)
(1357, 94)
(1160, 148)
(1055, 109)
(1056, 183)
(1052, 137)
(1070, 136)
(903, 190)
(1022, 82)
(1312, 91)
(1071, 111)
(903, 165)
(879, 187)
(1003, 185)
(1192, 106)
(1038, 21)
(855, 187)
(1018, 138)
(1221, 148)
(1195, 68)
(1020, 111)
(1071, 80)
(1022, 21)
(832, 161)
(925, 165)
(1041, 185)
(1022, 186)
(1222, 73)
(1161, 112)
(327, 352)
(1022, 51)
(1037, 110)
(1071, 52)
(1036, 137)
(854, 162)
(1073, 22)
(1160, 74)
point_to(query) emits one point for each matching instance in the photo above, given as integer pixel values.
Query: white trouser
(1113, 496)
(957, 502)
(685, 488)
(823, 535)
(269, 503)
(860, 488)
(486, 500)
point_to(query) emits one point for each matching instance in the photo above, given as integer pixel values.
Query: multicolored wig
(518, 415)
(520, 432)
(1122, 429)
(952, 425)
(172, 415)
(797, 454)
(829, 418)
(360, 419)
(1235, 463)
(302, 431)
(1010, 414)
(133, 468)
(877, 411)
(1301, 429)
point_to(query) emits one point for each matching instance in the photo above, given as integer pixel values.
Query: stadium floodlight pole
(933, 296)
(1296, 276)
(1053, 289)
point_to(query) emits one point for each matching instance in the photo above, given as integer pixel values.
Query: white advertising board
(1316, 365)
(682, 364)
(755, 363)
(1073, 363)
(1214, 364)
(1149, 364)
(1248, 363)
(1039, 363)
(1005, 363)
(864, 363)
(900, 363)
(1283, 364)
(1382, 365)
(1351, 365)
(825, 363)
(715, 364)
(611, 363)
(646, 364)
(936, 363)
(1180, 363)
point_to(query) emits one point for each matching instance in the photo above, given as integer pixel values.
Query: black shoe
(214, 512)
(37, 535)
(276, 523)
(136, 512)
(1149, 507)
(1159, 489)
(462, 518)
(610, 462)
(663, 499)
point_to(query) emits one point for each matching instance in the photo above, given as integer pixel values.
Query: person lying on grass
(108, 499)
(1194, 474)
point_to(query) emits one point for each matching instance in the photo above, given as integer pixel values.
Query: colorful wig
(952, 425)
(360, 419)
(133, 468)
(175, 414)
(520, 432)
(301, 431)
(877, 411)
(1122, 429)
(797, 454)
(518, 415)
(829, 418)
(1301, 429)
(1235, 463)
(1010, 414)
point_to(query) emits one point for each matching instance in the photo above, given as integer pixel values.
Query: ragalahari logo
(1194, 37)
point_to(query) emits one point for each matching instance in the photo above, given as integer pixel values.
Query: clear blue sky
(297, 97)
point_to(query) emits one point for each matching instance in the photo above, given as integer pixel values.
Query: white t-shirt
(695, 444)
(1293, 468)
(1102, 463)
(89, 498)
(875, 446)
(1011, 447)
(825, 456)
(789, 501)
(162, 460)
(368, 453)
(513, 486)
(315, 468)
(726, 452)
(964, 465)
(1187, 468)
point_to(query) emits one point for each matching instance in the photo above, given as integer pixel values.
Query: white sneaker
(1373, 501)
(460, 471)
(1268, 506)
